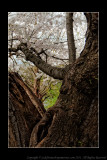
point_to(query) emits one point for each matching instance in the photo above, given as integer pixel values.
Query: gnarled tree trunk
(73, 120)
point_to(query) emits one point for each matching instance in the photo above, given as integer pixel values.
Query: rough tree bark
(25, 111)
(73, 120)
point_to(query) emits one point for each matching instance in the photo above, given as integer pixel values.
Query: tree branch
(43, 51)
(70, 38)
(55, 72)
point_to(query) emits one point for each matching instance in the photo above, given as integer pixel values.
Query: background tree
(70, 38)
(72, 121)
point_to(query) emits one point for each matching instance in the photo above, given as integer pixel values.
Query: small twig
(59, 58)
(43, 51)
(16, 39)
(60, 42)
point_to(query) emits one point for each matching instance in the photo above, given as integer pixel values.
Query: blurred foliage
(50, 98)
(49, 88)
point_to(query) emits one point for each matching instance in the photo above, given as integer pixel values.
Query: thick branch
(57, 73)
